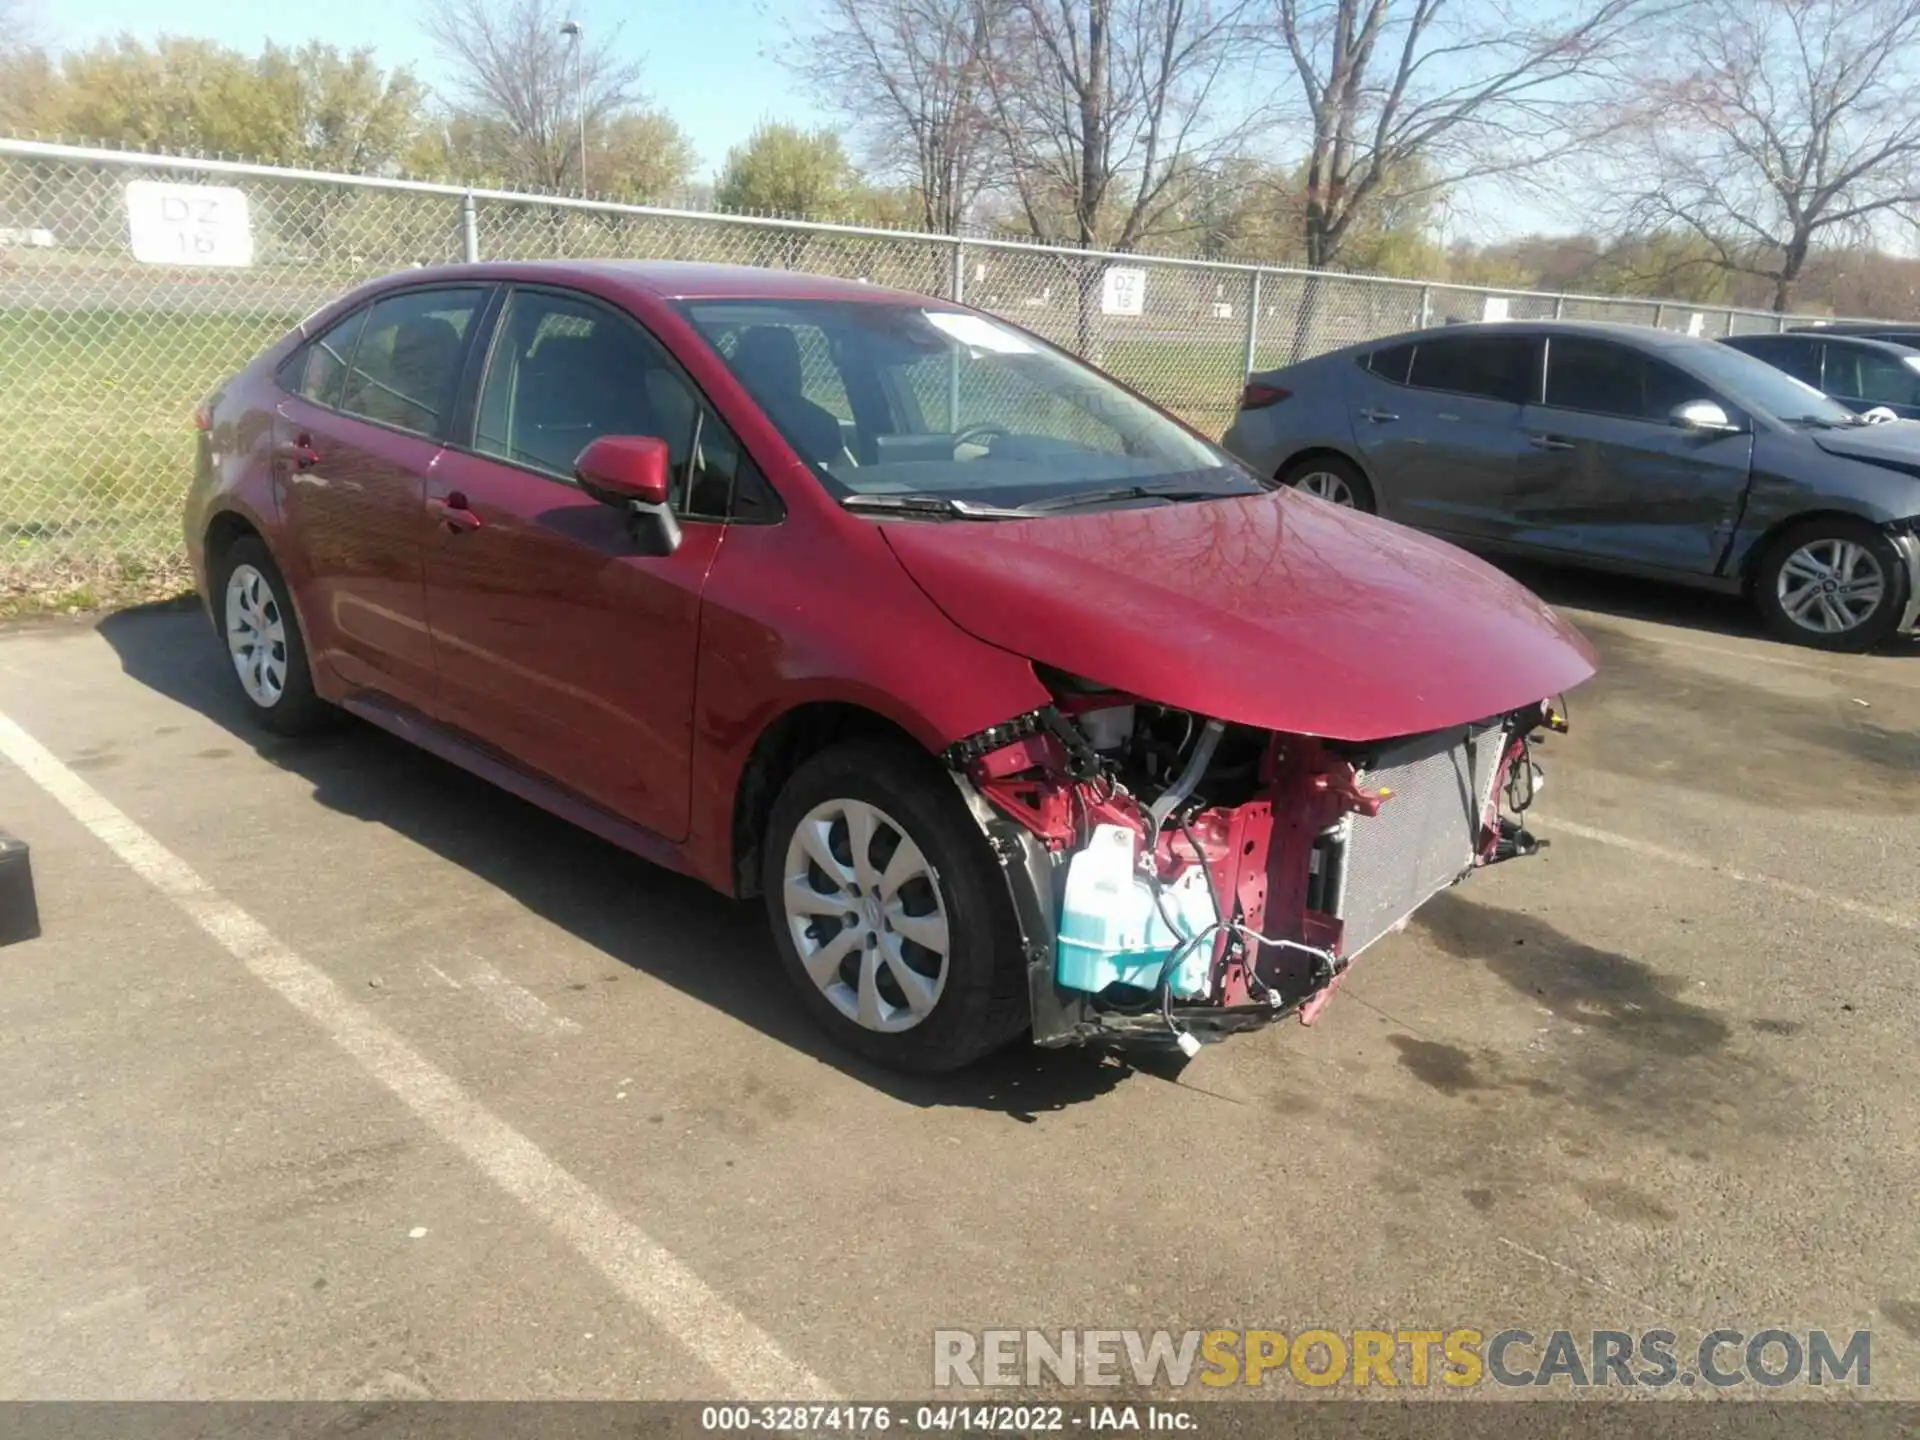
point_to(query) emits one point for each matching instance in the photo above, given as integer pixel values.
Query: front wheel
(891, 916)
(1833, 583)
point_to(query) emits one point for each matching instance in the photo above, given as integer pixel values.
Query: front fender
(1833, 485)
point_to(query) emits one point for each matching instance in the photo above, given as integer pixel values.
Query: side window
(1870, 375)
(1603, 378)
(565, 371)
(1493, 367)
(1393, 363)
(1799, 358)
(318, 369)
(406, 367)
(722, 482)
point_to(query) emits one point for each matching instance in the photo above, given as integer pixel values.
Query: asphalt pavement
(337, 1074)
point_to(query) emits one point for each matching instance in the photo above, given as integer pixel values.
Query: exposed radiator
(1388, 865)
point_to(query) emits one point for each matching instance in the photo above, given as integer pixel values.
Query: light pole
(571, 29)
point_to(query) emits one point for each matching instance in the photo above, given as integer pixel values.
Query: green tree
(783, 170)
(314, 107)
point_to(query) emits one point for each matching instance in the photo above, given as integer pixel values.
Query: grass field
(96, 445)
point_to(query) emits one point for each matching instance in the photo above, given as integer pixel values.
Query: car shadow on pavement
(649, 919)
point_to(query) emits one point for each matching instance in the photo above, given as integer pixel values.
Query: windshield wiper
(939, 506)
(1174, 493)
(1813, 422)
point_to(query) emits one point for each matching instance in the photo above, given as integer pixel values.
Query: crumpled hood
(1277, 610)
(1895, 444)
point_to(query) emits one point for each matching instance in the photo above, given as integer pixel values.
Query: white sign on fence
(1495, 308)
(1696, 324)
(1124, 291)
(188, 224)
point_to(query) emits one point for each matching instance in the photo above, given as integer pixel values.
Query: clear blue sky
(706, 60)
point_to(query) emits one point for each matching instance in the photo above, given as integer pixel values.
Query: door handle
(454, 514)
(1378, 417)
(297, 454)
(1549, 442)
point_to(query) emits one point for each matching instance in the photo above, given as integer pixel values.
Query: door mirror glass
(618, 469)
(1705, 417)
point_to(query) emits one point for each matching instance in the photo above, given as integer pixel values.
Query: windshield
(898, 399)
(1756, 385)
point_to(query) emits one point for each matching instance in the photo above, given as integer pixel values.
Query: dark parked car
(1866, 329)
(1024, 707)
(1616, 447)
(1866, 376)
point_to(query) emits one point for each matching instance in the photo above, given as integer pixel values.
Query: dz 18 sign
(188, 224)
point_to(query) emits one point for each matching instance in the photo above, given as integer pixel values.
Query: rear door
(1608, 474)
(355, 439)
(1438, 421)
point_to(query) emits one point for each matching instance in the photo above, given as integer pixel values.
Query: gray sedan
(1615, 447)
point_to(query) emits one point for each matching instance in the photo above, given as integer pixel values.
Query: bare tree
(515, 76)
(1781, 127)
(1102, 110)
(909, 75)
(1409, 97)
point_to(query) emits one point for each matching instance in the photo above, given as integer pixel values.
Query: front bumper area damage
(1177, 880)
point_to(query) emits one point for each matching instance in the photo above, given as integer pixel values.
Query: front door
(558, 641)
(1608, 474)
(355, 440)
(1442, 445)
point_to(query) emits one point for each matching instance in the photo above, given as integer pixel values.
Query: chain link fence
(121, 308)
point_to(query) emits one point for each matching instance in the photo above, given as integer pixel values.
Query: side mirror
(1703, 417)
(631, 471)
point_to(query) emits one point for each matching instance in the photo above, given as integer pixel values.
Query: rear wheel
(891, 916)
(1833, 583)
(1334, 480)
(264, 643)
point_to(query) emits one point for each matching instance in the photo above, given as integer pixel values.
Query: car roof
(1857, 342)
(679, 280)
(1642, 335)
(1867, 328)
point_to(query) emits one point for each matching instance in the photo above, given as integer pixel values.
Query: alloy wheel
(1328, 486)
(1830, 586)
(866, 914)
(256, 636)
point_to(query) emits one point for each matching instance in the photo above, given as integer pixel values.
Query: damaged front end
(1180, 879)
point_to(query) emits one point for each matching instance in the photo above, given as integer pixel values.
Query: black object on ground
(19, 914)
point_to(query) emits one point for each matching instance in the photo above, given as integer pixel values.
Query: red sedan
(1025, 708)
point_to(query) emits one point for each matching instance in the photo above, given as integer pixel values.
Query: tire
(1854, 607)
(952, 1008)
(263, 639)
(1337, 481)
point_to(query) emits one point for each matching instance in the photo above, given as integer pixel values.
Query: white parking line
(649, 1276)
(1896, 919)
(523, 1009)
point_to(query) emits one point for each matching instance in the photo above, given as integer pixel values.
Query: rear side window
(1392, 363)
(1603, 378)
(406, 367)
(1799, 358)
(1492, 367)
(319, 368)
